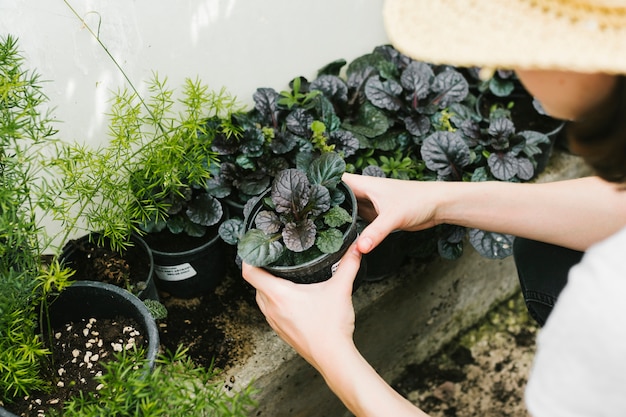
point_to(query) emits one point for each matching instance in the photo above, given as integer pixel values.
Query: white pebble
(75, 353)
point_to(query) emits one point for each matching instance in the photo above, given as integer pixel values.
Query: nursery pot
(87, 299)
(93, 299)
(185, 266)
(137, 257)
(321, 268)
(387, 257)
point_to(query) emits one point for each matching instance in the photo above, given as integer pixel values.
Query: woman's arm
(574, 213)
(317, 320)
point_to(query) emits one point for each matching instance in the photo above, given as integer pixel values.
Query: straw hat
(577, 35)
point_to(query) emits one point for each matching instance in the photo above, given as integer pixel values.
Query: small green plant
(153, 172)
(175, 388)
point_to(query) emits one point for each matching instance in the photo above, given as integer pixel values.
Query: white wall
(237, 44)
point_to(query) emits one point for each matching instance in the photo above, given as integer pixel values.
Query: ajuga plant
(27, 279)
(301, 217)
(176, 388)
(152, 172)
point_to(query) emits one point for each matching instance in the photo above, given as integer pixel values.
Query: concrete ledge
(402, 319)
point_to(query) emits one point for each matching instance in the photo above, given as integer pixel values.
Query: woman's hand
(315, 319)
(389, 205)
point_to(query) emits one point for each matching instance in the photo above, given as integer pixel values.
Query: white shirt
(580, 364)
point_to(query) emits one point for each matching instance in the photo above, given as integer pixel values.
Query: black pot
(197, 267)
(387, 257)
(92, 299)
(138, 256)
(321, 268)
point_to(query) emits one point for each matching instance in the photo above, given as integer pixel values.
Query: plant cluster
(413, 120)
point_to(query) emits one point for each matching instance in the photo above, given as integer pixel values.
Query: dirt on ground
(481, 373)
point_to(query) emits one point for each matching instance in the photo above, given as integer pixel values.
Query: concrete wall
(237, 44)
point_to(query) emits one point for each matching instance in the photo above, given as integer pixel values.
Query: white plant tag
(175, 272)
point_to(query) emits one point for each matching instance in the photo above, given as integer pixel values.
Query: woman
(569, 55)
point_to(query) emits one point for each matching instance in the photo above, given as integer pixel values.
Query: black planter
(139, 259)
(321, 268)
(92, 299)
(387, 257)
(196, 267)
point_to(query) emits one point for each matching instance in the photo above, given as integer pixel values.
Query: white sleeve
(580, 364)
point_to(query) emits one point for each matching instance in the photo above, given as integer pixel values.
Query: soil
(100, 263)
(210, 325)
(79, 351)
(481, 373)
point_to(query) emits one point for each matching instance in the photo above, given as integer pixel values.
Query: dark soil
(213, 326)
(100, 263)
(79, 350)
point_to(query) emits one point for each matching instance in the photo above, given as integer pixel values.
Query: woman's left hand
(315, 319)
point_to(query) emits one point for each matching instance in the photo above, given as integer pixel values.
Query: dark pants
(542, 269)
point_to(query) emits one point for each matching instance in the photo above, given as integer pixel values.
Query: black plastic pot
(197, 267)
(92, 299)
(387, 257)
(321, 268)
(138, 256)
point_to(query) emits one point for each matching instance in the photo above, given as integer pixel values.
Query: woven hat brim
(504, 34)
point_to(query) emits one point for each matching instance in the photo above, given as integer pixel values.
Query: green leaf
(329, 241)
(327, 169)
(258, 249)
(337, 216)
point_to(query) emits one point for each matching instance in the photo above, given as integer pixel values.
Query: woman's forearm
(574, 213)
(360, 387)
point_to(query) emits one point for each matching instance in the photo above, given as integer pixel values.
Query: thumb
(374, 233)
(348, 267)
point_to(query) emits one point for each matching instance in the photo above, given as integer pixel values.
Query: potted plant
(92, 258)
(150, 179)
(300, 227)
(35, 287)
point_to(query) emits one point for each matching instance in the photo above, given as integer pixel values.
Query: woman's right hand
(390, 204)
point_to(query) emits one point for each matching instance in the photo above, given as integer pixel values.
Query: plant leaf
(319, 200)
(258, 249)
(370, 121)
(327, 169)
(299, 236)
(533, 140)
(383, 94)
(329, 240)
(337, 216)
(451, 87)
(231, 231)
(417, 78)
(503, 166)
(204, 210)
(290, 191)
(445, 153)
(491, 245)
(268, 222)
